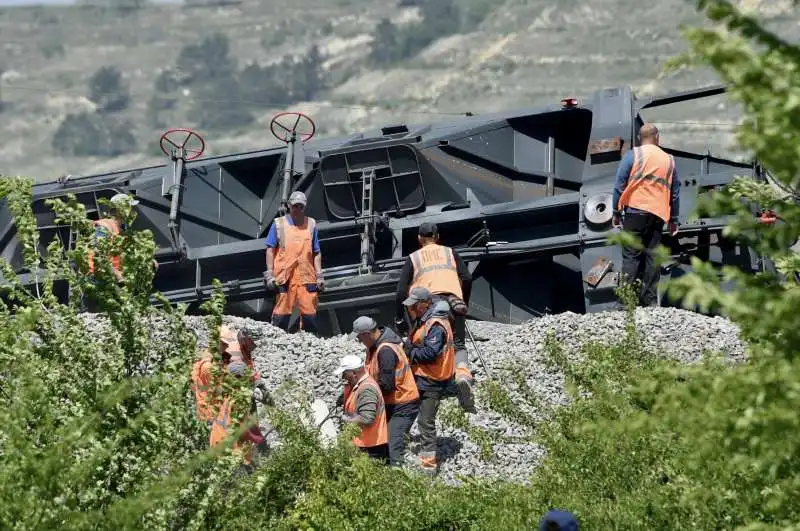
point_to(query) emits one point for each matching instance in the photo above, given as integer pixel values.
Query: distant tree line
(225, 97)
(440, 18)
(102, 132)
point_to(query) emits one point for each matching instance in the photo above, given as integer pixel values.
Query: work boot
(428, 464)
(464, 384)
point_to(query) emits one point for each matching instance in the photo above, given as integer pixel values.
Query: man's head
(418, 301)
(120, 203)
(366, 331)
(297, 204)
(648, 134)
(428, 233)
(350, 369)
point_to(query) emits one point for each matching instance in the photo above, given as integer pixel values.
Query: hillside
(219, 69)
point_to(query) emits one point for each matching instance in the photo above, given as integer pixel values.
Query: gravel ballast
(310, 361)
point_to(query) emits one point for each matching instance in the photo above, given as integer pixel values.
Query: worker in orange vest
(238, 363)
(646, 197)
(232, 347)
(294, 265)
(110, 227)
(441, 270)
(364, 405)
(431, 353)
(388, 365)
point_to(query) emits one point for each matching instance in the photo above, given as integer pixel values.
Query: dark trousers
(428, 408)
(380, 453)
(640, 265)
(400, 418)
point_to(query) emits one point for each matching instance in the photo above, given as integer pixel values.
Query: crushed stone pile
(310, 361)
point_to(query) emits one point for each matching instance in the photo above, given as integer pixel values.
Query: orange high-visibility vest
(376, 433)
(294, 261)
(202, 385)
(445, 365)
(220, 428)
(405, 388)
(650, 181)
(435, 269)
(113, 227)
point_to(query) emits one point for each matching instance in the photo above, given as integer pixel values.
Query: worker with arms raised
(442, 271)
(294, 265)
(363, 405)
(432, 356)
(646, 196)
(388, 365)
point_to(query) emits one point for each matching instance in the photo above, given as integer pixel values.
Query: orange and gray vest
(445, 365)
(202, 385)
(435, 269)
(405, 388)
(376, 433)
(114, 228)
(294, 261)
(649, 185)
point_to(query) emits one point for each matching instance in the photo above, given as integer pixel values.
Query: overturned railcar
(524, 196)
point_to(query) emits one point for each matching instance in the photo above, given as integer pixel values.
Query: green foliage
(108, 90)
(93, 135)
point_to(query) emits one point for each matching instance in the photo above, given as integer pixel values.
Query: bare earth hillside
(490, 56)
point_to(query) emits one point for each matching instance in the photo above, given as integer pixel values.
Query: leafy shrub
(93, 135)
(108, 90)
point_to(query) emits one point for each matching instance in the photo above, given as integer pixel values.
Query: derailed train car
(523, 195)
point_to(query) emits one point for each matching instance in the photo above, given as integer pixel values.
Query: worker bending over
(110, 226)
(294, 265)
(364, 406)
(387, 364)
(646, 196)
(442, 271)
(233, 347)
(432, 357)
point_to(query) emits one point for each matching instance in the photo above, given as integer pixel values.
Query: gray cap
(238, 368)
(298, 198)
(363, 324)
(428, 229)
(120, 199)
(417, 294)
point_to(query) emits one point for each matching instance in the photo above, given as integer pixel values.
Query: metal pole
(551, 165)
(478, 350)
(175, 190)
(288, 170)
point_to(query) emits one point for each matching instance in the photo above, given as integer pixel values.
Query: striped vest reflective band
(435, 269)
(405, 389)
(376, 433)
(445, 365)
(294, 261)
(650, 181)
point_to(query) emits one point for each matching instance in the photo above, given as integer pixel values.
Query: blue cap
(558, 520)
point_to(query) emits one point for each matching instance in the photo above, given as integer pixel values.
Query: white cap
(298, 198)
(124, 198)
(348, 363)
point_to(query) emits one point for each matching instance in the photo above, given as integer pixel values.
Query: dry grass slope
(525, 52)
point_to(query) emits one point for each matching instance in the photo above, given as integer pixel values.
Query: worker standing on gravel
(364, 405)
(442, 271)
(432, 356)
(646, 196)
(294, 265)
(388, 365)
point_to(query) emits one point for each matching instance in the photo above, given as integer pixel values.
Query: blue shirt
(272, 236)
(624, 171)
